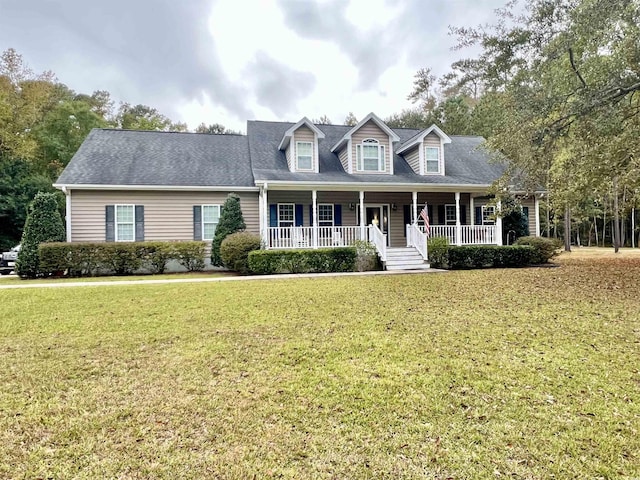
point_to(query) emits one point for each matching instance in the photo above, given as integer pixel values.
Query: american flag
(424, 213)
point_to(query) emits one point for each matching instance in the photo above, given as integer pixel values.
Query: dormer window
(432, 159)
(304, 159)
(370, 156)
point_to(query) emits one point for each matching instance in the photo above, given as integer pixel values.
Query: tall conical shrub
(44, 224)
(231, 221)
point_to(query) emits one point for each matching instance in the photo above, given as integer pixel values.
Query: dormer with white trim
(424, 152)
(367, 148)
(300, 145)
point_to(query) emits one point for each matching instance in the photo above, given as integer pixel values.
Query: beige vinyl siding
(530, 203)
(433, 140)
(287, 154)
(413, 159)
(370, 130)
(167, 215)
(343, 155)
(303, 134)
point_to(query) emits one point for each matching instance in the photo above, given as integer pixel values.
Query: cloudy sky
(226, 61)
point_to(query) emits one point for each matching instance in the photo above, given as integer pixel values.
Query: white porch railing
(469, 234)
(303, 237)
(417, 239)
(379, 239)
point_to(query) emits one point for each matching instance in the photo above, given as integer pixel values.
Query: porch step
(406, 258)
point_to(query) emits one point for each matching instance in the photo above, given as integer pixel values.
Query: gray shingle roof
(126, 157)
(466, 162)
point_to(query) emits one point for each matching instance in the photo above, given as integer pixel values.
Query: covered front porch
(315, 218)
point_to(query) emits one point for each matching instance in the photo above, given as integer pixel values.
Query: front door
(377, 215)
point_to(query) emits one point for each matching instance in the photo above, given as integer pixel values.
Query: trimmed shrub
(438, 251)
(490, 256)
(190, 255)
(231, 221)
(366, 256)
(90, 259)
(267, 262)
(44, 224)
(122, 258)
(545, 248)
(235, 249)
(157, 255)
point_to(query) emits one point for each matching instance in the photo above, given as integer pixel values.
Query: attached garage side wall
(167, 215)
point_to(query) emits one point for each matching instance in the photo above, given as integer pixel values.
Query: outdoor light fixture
(352, 206)
(394, 207)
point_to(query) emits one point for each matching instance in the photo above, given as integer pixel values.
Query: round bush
(235, 249)
(545, 248)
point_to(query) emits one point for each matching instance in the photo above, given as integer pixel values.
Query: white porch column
(499, 223)
(458, 224)
(314, 201)
(414, 211)
(472, 211)
(536, 201)
(265, 216)
(362, 217)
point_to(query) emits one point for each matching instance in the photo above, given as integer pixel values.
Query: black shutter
(298, 215)
(310, 215)
(430, 213)
(442, 220)
(139, 232)
(273, 215)
(463, 214)
(197, 222)
(478, 219)
(110, 225)
(337, 215)
(406, 215)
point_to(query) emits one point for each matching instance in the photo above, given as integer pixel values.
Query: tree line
(42, 124)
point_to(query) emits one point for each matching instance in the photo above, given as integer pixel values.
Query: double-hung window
(370, 156)
(488, 214)
(210, 219)
(304, 159)
(125, 223)
(286, 214)
(325, 215)
(449, 214)
(432, 159)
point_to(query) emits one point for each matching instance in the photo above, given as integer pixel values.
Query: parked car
(8, 260)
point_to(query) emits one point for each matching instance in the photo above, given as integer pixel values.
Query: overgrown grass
(527, 373)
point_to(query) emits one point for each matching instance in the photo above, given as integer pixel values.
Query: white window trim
(426, 160)
(115, 221)
(310, 169)
(381, 155)
(202, 222)
(293, 221)
(333, 214)
(450, 205)
(493, 212)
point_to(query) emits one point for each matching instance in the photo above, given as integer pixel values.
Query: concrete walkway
(152, 281)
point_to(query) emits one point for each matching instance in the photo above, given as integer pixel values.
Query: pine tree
(231, 221)
(44, 224)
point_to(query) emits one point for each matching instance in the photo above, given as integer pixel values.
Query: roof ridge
(106, 129)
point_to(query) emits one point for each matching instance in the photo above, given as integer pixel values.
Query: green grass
(526, 373)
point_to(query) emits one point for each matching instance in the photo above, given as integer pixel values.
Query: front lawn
(523, 373)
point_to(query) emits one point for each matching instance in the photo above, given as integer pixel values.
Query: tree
(215, 128)
(323, 120)
(44, 224)
(410, 118)
(142, 117)
(350, 120)
(231, 221)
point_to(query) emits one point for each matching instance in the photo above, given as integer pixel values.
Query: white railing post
(458, 229)
(362, 218)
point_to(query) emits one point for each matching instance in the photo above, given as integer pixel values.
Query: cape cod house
(300, 185)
